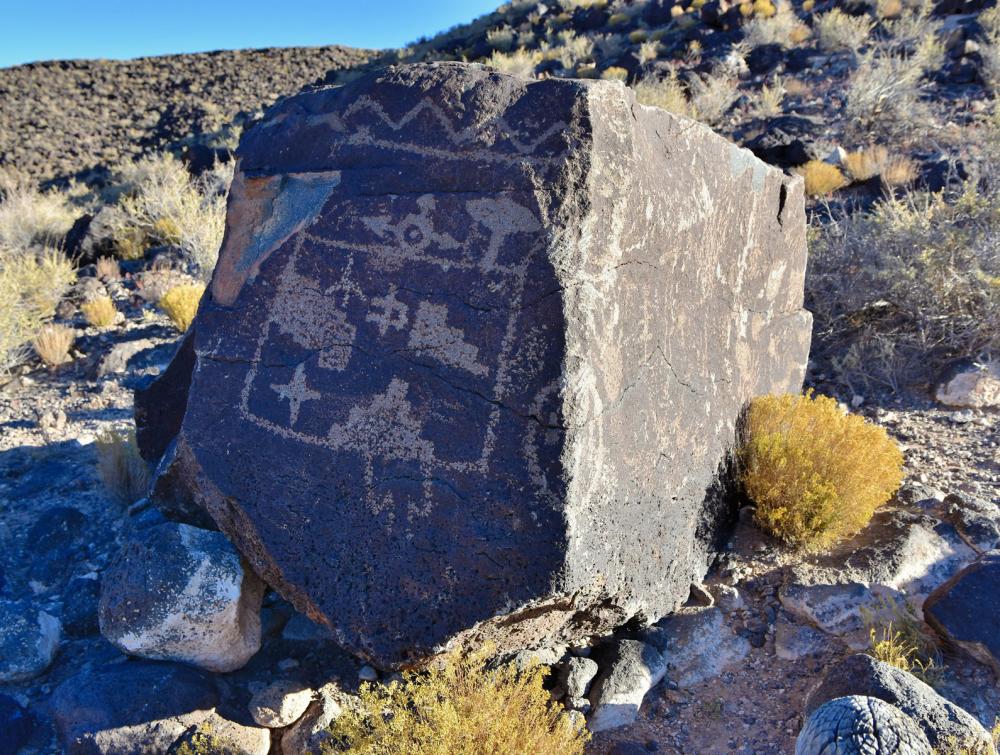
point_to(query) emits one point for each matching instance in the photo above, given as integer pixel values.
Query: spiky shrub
(52, 344)
(884, 96)
(180, 304)
(667, 94)
(901, 292)
(123, 471)
(815, 473)
(821, 177)
(463, 706)
(31, 286)
(100, 312)
(898, 637)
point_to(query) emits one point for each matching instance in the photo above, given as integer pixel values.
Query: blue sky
(57, 29)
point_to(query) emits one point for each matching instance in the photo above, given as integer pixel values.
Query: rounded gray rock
(857, 725)
(280, 703)
(29, 639)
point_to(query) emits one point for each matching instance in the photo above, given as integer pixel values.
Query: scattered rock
(216, 735)
(132, 707)
(977, 520)
(180, 593)
(442, 261)
(280, 703)
(728, 598)
(860, 726)
(697, 645)
(628, 670)
(79, 610)
(836, 609)
(795, 641)
(117, 360)
(974, 388)
(367, 674)
(966, 610)
(308, 735)
(860, 674)
(576, 675)
(29, 639)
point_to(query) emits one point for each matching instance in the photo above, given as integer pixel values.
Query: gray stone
(220, 736)
(29, 639)
(728, 598)
(311, 732)
(521, 313)
(795, 641)
(576, 675)
(860, 726)
(938, 718)
(977, 520)
(628, 670)
(697, 645)
(179, 593)
(280, 703)
(301, 628)
(966, 610)
(837, 609)
(580, 704)
(128, 708)
(367, 674)
(117, 360)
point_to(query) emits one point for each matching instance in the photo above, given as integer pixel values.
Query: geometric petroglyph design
(431, 334)
(388, 312)
(296, 392)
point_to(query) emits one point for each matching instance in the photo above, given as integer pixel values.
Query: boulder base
(472, 360)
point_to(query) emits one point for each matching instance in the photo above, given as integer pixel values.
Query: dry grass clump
(883, 96)
(31, 285)
(108, 269)
(463, 707)
(894, 170)
(614, 73)
(767, 103)
(52, 344)
(899, 638)
(667, 94)
(180, 304)
(836, 30)
(100, 312)
(970, 746)
(123, 471)
(815, 473)
(162, 204)
(900, 292)
(30, 218)
(821, 178)
(781, 28)
(519, 62)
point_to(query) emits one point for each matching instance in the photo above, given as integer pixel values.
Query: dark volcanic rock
(475, 350)
(966, 610)
(159, 405)
(940, 719)
(16, 724)
(859, 725)
(131, 707)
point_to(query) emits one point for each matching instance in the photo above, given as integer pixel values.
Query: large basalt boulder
(473, 357)
(859, 725)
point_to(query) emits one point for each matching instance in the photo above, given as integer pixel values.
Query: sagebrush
(815, 473)
(461, 706)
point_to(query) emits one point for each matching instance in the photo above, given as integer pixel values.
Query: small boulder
(280, 703)
(697, 645)
(965, 610)
(938, 718)
(836, 609)
(220, 736)
(628, 670)
(131, 707)
(576, 676)
(860, 726)
(180, 593)
(29, 639)
(977, 520)
(308, 735)
(795, 641)
(974, 388)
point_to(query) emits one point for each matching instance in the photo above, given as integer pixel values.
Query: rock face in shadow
(475, 352)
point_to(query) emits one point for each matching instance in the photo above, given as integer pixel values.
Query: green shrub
(462, 706)
(815, 473)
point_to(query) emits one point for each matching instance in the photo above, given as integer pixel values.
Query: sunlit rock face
(471, 364)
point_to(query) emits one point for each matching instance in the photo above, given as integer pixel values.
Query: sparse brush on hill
(815, 473)
(463, 706)
(900, 292)
(162, 204)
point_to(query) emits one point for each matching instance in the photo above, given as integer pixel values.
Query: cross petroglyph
(296, 392)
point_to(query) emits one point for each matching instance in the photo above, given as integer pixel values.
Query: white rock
(629, 669)
(977, 388)
(697, 645)
(29, 639)
(312, 730)
(280, 703)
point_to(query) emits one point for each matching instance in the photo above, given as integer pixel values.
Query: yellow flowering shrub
(180, 304)
(815, 473)
(463, 706)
